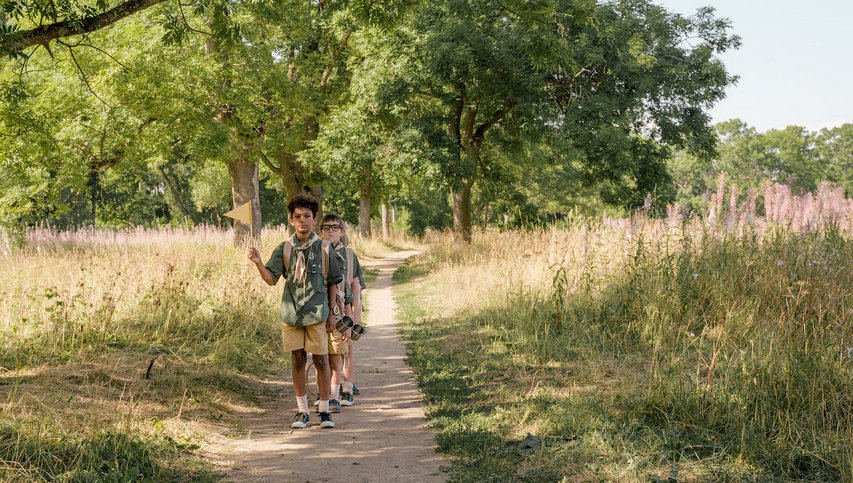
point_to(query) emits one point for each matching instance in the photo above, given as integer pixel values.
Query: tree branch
(496, 118)
(470, 117)
(44, 34)
(455, 127)
(324, 80)
(83, 75)
(269, 164)
(175, 192)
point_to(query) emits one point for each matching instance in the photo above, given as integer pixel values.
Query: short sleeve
(357, 272)
(276, 263)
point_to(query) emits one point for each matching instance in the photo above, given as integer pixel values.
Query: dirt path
(381, 438)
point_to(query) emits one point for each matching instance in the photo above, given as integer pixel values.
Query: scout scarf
(301, 263)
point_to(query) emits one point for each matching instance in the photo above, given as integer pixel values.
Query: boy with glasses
(331, 230)
(309, 293)
(334, 230)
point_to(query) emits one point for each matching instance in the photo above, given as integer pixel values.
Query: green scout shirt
(304, 303)
(341, 255)
(356, 267)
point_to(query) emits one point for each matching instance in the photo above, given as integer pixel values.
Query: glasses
(331, 228)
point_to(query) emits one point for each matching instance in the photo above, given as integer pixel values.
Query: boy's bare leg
(349, 367)
(335, 365)
(349, 375)
(298, 358)
(324, 375)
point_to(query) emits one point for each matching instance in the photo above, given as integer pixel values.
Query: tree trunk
(386, 227)
(244, 188)
(291, 173)
(94, 185)
(317, 192)
(175, 193)
(364, 202)
(462, 211)
(394, 214)
(242, 172)
(469, 140)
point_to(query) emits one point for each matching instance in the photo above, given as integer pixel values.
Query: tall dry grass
(733, 332)
(136, 343)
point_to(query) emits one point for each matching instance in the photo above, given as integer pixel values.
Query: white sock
(324, 406)
(302, 402)
(347, 387)
(335, 390)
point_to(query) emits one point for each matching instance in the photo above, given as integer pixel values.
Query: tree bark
(386, 227)
(364, 202)
(244, 188)
(44, 34)
(462, 211)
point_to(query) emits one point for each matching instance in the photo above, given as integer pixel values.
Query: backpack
(350, 258)
(324, 259)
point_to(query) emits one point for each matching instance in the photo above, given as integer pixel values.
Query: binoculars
(346, 323)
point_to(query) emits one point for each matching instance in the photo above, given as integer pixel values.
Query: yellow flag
(242, 213)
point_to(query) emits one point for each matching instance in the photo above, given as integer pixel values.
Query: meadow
(644, 349)
(130, 355)
(705, 349)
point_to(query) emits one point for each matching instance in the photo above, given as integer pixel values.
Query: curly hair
(303, 200)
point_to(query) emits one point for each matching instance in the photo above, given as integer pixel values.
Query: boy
(309, 291)
(356, 287)
(334, 230)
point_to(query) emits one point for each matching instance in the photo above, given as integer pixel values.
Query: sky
(795, 64)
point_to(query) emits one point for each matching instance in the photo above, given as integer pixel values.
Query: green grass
(721, 360)
(44, 454)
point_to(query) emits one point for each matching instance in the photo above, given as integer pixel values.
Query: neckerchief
(299, 271)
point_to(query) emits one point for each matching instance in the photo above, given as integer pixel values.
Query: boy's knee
(321, 362)
(298, 358)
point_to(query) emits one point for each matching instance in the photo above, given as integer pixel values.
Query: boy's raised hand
(254, 255)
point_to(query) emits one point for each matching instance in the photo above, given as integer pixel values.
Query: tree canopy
(475, 112)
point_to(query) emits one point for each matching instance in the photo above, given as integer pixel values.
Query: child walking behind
(311, 276)
(332, 229)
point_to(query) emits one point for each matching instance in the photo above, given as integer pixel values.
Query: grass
(636, 352)
(124, 356)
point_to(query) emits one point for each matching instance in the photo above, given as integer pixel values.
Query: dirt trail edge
(381, 438)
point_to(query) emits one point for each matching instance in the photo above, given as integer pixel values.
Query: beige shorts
(337, 344)
(312, 338)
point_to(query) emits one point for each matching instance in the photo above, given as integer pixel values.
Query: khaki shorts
(337, 344)
(312, 338)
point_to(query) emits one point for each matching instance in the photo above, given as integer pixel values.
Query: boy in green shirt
(311, 276)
